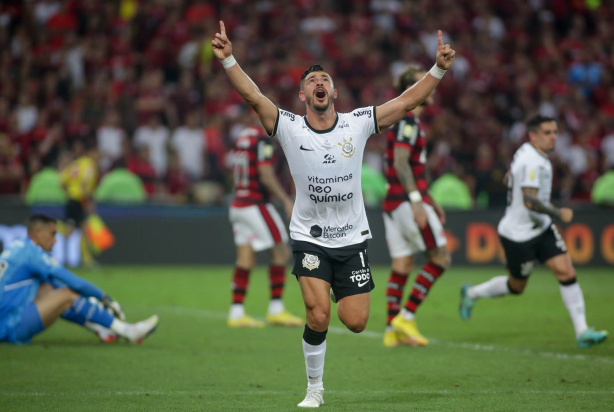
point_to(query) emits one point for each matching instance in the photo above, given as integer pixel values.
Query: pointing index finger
(223, 28)
(440, 40)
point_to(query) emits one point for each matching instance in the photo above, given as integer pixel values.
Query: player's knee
(280, 254)
(441, 258)
(515, 288)
(356, 325)
(318, 319)
(566, 275)
(403, 265)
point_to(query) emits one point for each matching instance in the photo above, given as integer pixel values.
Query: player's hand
(114, 307)
(445, 54)
(566, 214)
(419, 214)
(222, 47)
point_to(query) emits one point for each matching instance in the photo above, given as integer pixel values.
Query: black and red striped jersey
(252, 148)
(407, 133)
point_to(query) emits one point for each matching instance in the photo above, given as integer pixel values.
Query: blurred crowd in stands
(138, 77)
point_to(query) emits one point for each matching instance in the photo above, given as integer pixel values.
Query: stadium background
(103, 71)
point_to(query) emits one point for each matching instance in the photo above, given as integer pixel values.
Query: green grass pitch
(516, 354)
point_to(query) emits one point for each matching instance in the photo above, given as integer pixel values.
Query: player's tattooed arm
(401, 166)
(406, 177)
(529, 195)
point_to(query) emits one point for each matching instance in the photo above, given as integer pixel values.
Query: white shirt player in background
(324, 151)
(528, 234)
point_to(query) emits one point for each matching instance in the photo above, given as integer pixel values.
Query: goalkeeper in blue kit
(35, 291)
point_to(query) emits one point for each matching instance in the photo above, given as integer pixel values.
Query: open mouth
(320, 94)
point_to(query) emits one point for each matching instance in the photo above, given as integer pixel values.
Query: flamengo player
(257, 226)
(412, 219)
(527, 233)
(329, 228)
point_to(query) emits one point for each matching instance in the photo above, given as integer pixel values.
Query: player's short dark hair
(38, 219)
(313, 68)
(535, 122)
(408, 77)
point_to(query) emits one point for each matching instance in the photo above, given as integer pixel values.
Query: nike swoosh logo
(362, 284)
(309, 150)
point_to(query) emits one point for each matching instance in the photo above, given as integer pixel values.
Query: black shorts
(520, 256)
(74, 213)
(345, 268)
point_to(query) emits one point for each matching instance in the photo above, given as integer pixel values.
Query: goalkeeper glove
(114, 307)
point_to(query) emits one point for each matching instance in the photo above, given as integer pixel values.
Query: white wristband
(415, 196)
(436, 72)
(228, 62)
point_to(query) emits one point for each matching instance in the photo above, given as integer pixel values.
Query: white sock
(493, 288)
(98, 329)
(121, 328)
(237, 311)
(407, 315)
(574, 302)
(314, 363)
(276, 306)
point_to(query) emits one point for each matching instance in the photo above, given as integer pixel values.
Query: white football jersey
(529, 168)
(326, 167)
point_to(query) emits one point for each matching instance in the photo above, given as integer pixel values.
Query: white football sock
(99, 329)
(407, 315)
(276, 306)
(314, 363)
(121, 328)
(237, 311)
(574, 302)
(493, 288)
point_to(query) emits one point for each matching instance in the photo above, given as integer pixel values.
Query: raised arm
(266, 110)
(391, 112)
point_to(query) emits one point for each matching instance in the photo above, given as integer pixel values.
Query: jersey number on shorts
(362, 259)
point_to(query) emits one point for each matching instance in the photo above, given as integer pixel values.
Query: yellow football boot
(409, 329)
(284, 318)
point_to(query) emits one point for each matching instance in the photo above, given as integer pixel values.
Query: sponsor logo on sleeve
(363, 112)
(292, 116)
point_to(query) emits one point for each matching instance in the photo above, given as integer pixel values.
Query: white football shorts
(403, 236)
(258, 225)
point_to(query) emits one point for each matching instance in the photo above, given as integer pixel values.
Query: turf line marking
(269, 392)
(209, 314)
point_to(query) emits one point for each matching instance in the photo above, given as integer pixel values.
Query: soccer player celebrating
(35, 291)
(329, 229)
(527, 233)
(412, 219)
(257, 226)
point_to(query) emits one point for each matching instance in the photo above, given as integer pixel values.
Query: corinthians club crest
(311, 262)
(347, 148)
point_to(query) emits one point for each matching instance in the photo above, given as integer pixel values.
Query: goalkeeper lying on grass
(35, 291)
